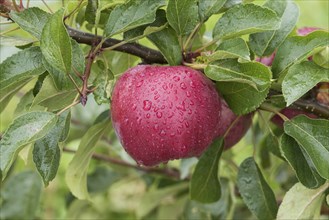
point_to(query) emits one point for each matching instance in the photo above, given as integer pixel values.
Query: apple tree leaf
(61, 80)
(295, 49)
(255, 192)
(20, 68)
(20, 196)
(52, 98)
(7, 94)
(312, 135)
(232, 48)
(301, 78)
(300, 162)
(302, 203)
(55, 43)
(76, 174)
(46, 152)
(237, 82)
(245, 19)
(209, 7)
(322, 58)
(264, 43)
(167, 42)
(131, 15)
(182, 15)
(91, 10)
(31, 20)
(24, 129)
(205, 186)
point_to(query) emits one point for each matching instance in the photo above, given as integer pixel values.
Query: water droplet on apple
(183, 86)
(163, 133)
(134, 106)
(159, 114)
(139, 120)
(156, 127)
(140, 83)
(148, 115)
(187, 124)
(176, 78)
(147, 105)
(188, 94)
(156, 97)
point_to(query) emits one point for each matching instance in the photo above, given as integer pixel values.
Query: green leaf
(237, 82)
(91, 9)
(16, 41)
(209, 7)
(245, 19)
(23, 130)
(46, 152)
(76, 173)
(55, 43)
(322, 58)
(220, 208)
(104, 83)
(264, 44)
(31, 20)
(205, 186)
(302, 203)
(300, 162)
(229, 4)
(131, 15)
(24, 103)
(312, 135)
(62, 82)
(20, 196)
(154, 197)
(52, 98)
(256, 193)
(295, 49)
(142, 31)
(233, 48)
(7, 94)
(101, 179)
(167, 42)
(182, 15)
(301, 78)
(19, 68)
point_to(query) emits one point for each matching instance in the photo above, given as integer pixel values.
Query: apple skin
(290, 113)
(238, 129)
(161, 113)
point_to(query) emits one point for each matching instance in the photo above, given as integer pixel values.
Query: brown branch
(172, 173)
(148, 55)
(85, 91)
(312, 107)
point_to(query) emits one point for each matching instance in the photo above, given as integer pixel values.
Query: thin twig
(44, 2)
(68, 107)
(147, 54)
(172, 173)
(85, 91)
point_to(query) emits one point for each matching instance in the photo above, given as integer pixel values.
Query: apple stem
(268, 107)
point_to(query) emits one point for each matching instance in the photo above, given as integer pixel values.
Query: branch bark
(148, 55)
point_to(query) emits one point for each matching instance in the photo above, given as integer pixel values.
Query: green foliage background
(117, 195)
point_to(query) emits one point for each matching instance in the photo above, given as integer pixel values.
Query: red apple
(238, 126)
(162, 113)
